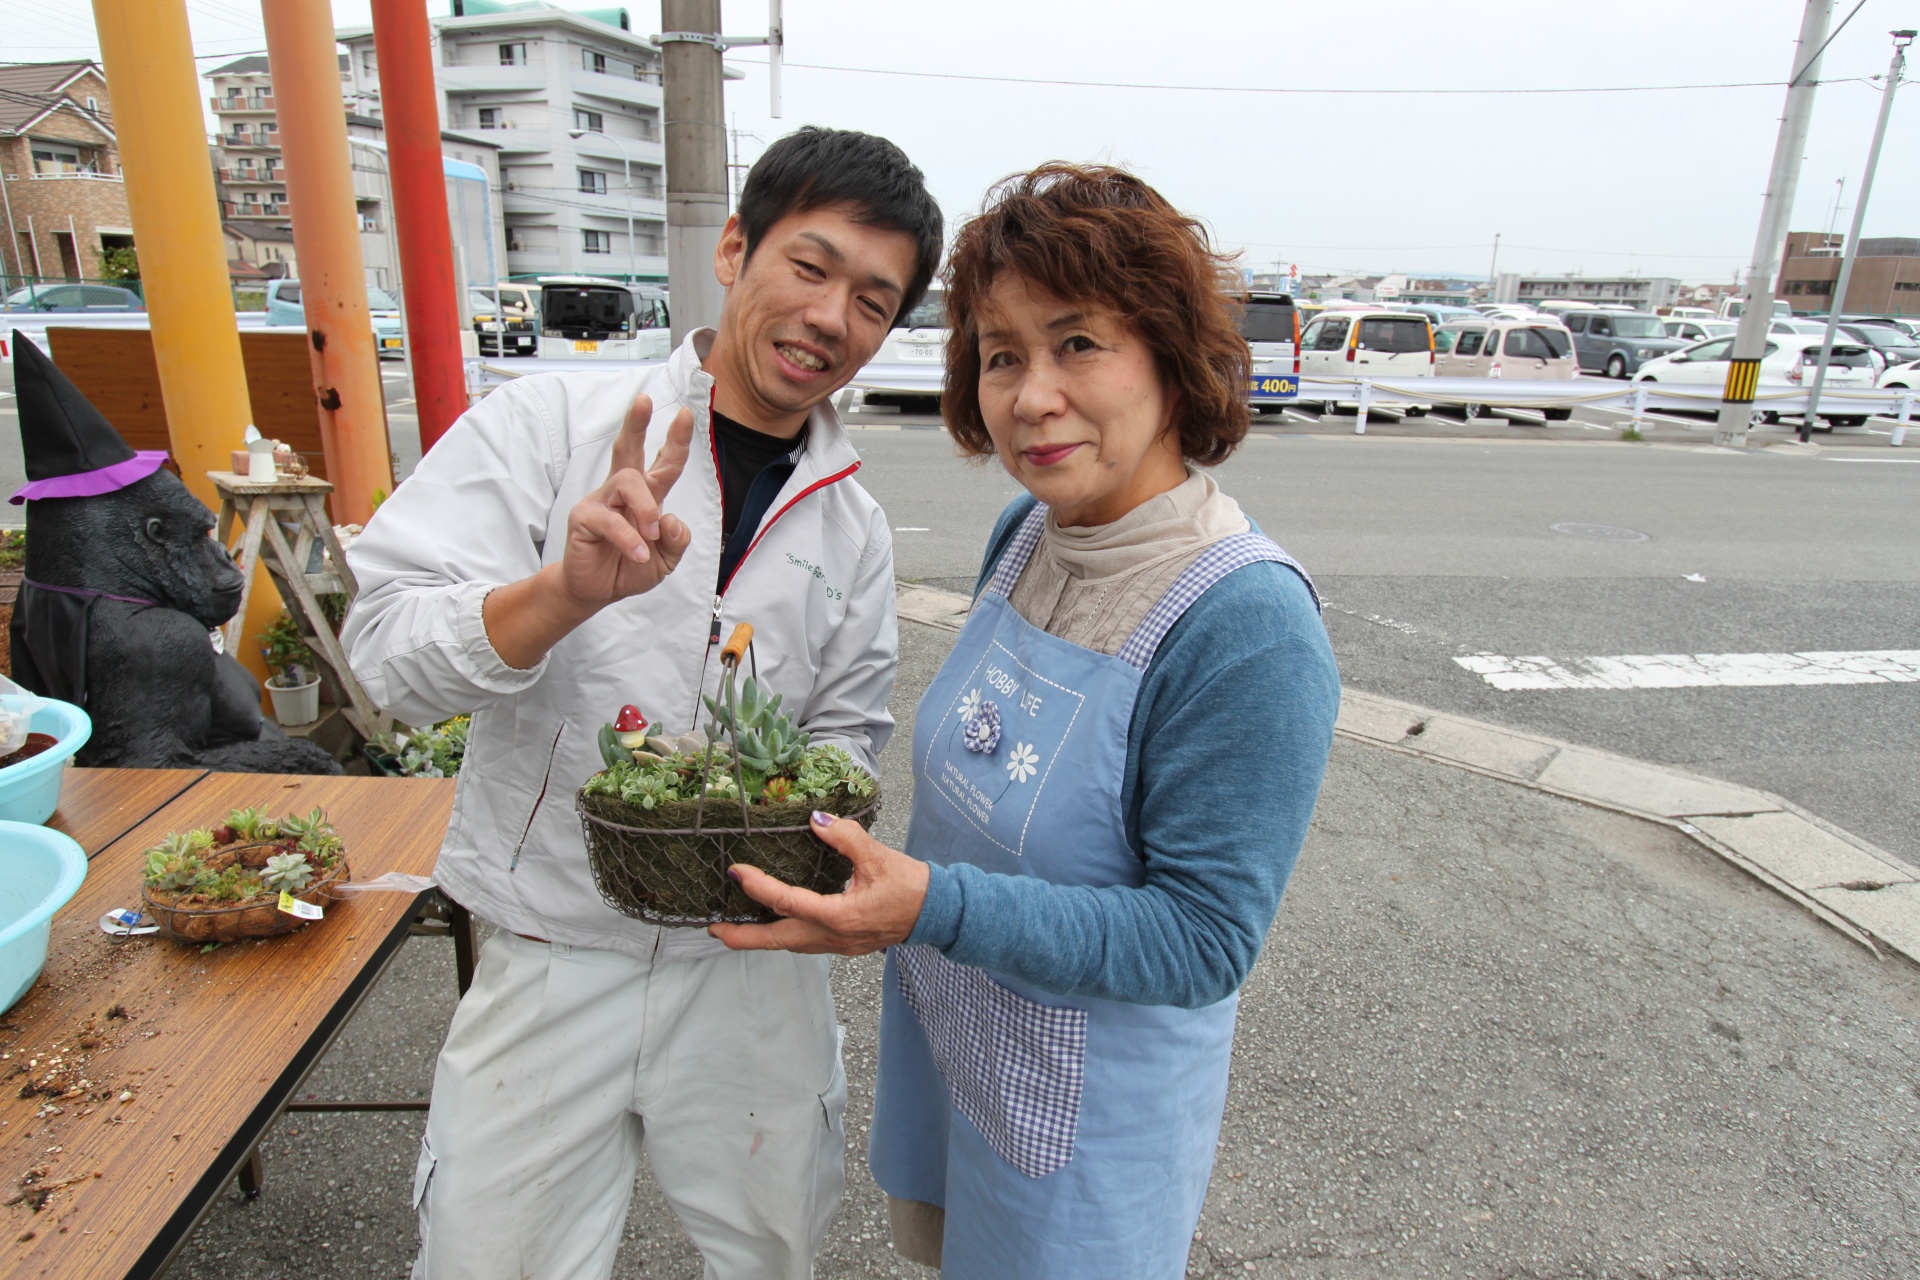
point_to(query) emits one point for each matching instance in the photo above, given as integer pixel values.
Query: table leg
(253, 1175)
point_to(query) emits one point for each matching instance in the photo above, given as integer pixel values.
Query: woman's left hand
(878, 908)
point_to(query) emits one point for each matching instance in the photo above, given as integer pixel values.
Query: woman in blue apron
(1114, 769)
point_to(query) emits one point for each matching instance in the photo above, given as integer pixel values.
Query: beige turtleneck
(1092, 585)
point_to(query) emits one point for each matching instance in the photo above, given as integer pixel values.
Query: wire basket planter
(237, 922)
(667, 864)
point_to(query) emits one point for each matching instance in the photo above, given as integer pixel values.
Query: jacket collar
(828, 451)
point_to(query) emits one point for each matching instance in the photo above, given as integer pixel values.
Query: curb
(1866, 893)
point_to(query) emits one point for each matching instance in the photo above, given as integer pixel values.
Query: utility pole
(696, 160)
(1901, 39)
(1493, 268)
(1756, 316)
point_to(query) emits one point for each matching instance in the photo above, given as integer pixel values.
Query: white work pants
(562, 1063)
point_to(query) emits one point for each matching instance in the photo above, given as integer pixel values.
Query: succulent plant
(287, 873)
(172, 866)
(766, 741)
(777, 789)
(295, 827)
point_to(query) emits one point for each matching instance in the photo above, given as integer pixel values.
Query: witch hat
(72, 451)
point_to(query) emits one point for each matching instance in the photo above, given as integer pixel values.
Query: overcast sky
(1662, 183)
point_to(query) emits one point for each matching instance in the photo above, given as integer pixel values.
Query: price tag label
(305, 910)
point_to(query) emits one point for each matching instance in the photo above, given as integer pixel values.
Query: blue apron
(1065, 1136)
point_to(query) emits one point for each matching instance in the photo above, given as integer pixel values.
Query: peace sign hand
(619, 543)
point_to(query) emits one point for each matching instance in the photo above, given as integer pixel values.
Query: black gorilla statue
(122, 586)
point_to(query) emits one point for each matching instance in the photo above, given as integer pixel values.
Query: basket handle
(736, 646)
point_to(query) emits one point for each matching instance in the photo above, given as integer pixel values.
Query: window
(593, 182)
(1443, 340)
(290, 292)
(1719, 350)
(596, 242)
(513, 55)
(1267, 322)
(1396, 336)
(1577, 323)
(1538, 344)
(1600, 326)
(1906, 286)
(593, 61)
(490, 118)
(591, 121)
(51, 157)
(93, 106)
(1333, 336)
(1470, 342)
(1819, 288)
(1637, 326)
(367, 66)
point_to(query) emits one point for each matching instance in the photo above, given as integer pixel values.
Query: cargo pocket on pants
(1013, 1066)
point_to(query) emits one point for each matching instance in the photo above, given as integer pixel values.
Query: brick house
(61, 192)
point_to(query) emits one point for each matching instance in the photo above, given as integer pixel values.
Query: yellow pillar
(148, 57)
(326, 242)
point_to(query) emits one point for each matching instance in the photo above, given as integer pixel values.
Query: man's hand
(619, 544)
(878, 909)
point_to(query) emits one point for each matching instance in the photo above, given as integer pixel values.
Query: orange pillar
(148, 57)
(326, 242)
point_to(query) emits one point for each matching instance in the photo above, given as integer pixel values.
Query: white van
(603, 319)
(1730, 308)
(1368, 344)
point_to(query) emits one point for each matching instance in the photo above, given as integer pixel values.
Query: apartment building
(573, 102)
(1885, 280)
(1638, 293)
(61, 192)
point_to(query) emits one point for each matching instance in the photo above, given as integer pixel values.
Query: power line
(1275, 89)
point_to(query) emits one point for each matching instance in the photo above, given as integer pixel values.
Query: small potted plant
(666, 817)
(226, 882)
(295, 683)
(433, 753)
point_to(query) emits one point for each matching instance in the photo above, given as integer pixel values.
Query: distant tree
(120, 263)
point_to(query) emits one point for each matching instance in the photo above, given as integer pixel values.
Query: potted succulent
(295, 683)
(667, 816)
(240, 878)
(432, 753)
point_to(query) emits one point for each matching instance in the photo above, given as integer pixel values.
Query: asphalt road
(1428, 547)
(1493, 1034)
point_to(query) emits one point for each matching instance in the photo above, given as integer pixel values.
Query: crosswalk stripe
(1697, 670)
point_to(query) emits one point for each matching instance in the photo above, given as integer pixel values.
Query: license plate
(390, 343)
(585, 344)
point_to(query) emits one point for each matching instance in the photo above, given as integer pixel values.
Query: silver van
(1617, 343)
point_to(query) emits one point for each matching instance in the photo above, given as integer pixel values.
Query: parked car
(1538, 350)
(1893, 345)
(593, 316)
(1689, 329)
(1440, 313)
(1689, 313)
(389, 339)
(1368, 344)
(1790, 359)
(1730, 308)
(1271, 325)
(918, 337)
(1617, 343)
(1798, 328)
(1901, 377)
(1908, 325)
(73, 297)
(509, 327)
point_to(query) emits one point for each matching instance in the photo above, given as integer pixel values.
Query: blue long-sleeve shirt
(1225, 754)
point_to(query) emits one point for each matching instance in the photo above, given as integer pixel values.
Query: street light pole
(626, 159)
(1756, 316)
(1493, 269)
(1901, 39)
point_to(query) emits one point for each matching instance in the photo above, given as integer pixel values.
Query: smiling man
(539, 572)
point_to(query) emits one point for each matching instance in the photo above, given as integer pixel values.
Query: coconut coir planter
(224, 883)
(666, 818)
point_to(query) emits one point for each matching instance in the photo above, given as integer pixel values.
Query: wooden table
(189, 1055)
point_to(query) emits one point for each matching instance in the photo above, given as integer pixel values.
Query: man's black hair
(813, 168)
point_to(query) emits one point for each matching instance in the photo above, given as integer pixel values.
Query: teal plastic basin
(30, 790)
(40, 871)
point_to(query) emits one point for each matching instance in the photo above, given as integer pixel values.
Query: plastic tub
(40, 871)
(30, 790)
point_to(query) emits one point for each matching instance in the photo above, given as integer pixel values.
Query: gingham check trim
(1013, 1067)
(1018, 552)
(1213, 564)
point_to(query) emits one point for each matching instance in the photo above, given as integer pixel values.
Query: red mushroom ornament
(630, 727)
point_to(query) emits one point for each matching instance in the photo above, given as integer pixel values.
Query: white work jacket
(488, 505)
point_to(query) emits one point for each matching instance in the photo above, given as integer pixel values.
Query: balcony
(618, 149)
(43, 170)
(247, 102)
(257, 139)
(245, 176)
(241, 209)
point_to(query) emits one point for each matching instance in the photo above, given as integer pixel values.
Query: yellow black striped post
(1743, 380)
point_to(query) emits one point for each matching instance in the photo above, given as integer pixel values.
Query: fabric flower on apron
(980, 728)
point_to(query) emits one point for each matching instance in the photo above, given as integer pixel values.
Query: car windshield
(1395, 336)
(380, 300)
(1266, 322)
(1843, 357)
(573, 307)
(1638, 327)
(931, 313)
(478, 302)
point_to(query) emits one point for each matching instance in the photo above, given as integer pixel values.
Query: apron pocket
(1013, 1066)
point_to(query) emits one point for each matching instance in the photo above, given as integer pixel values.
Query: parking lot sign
(1274, 386)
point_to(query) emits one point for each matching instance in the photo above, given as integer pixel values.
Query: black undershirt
(744, 455)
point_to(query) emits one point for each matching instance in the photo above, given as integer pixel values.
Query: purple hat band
(88, 484)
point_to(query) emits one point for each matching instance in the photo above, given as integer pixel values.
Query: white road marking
(910, 528)
(1301, 417)
(1870, 459)
(1697, 670)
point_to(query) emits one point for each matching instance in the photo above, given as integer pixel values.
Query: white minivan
(1368, 344)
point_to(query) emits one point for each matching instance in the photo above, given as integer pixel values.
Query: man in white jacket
(537, 572)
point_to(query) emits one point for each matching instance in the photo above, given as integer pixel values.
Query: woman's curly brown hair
(1098, 235)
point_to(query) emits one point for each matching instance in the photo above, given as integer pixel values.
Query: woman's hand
(877, 910)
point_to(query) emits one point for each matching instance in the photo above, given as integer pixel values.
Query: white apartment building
(528, 76)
